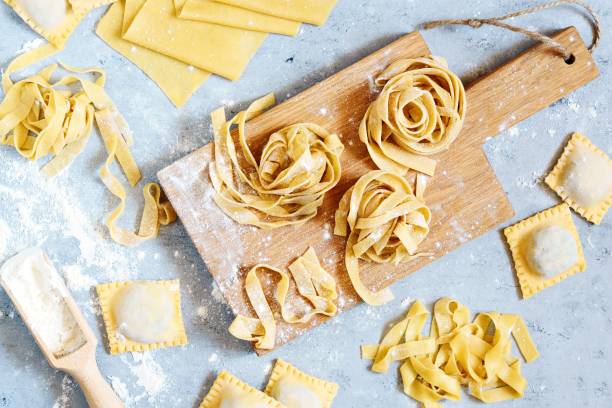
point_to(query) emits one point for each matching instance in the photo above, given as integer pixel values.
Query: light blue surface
(571, 322)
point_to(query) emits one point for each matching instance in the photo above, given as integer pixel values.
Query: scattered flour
(216, 293)
(530, 182)
(61, 214)
(574, 106)
(121, 390)
(514, 131)
(214, 357)
(66, 391)
(406, 302)
(5, 234)
(30, 45)
(149, 374)
(76, 280)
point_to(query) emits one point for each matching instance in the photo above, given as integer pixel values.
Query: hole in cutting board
(570, 60)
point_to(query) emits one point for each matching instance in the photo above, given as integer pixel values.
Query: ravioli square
(582, 177)
(142, 315)
(229, 392)
(546, 249)
(54, 20)
(296, 389)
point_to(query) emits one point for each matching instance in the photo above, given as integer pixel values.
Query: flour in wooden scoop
(34, 284)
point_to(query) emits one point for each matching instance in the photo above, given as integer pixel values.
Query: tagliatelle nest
(420, 111)
(385, 222)
(286, 186)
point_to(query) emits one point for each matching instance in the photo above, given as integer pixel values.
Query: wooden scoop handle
(97, 390)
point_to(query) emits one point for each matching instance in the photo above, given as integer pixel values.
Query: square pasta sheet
(210, 11)
(224, 51)
(176, 79)
(308, 11)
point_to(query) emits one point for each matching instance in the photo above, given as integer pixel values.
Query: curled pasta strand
(419, 112)
(385, 222)
(41, 118)
(476, 354)
(312, 282)
(286, 185)
(391, 348)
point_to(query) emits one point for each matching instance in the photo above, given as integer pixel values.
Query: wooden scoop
(80, 363)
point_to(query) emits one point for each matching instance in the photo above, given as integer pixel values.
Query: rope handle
(544, 39)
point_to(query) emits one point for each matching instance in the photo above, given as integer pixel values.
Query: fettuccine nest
(286, 186)
(385, 222)
(420, 111)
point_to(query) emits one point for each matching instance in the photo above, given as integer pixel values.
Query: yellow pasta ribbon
(40, 118)
(475, 353)
(385, 222)
(393, 349)
(286, 186)
(419, 112)
(312, 282)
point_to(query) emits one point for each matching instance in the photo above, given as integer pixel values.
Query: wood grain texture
(465, 196)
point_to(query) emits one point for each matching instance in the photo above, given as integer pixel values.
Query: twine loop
(544, 39)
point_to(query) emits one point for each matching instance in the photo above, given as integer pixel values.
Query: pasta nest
(286, 186)
(419, 111)
(385, 222)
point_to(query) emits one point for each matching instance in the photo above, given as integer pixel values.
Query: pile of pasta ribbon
(458, 352)
(312, 282)
(41, 118)
(385, 222)
(419, 112)
(286, 186)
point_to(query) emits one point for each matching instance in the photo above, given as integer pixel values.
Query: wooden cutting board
(465, 197)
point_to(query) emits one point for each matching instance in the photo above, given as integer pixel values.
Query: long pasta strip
(312, 282)
(286, 186)
(40, 119)
(385, 222)
(476, 354)
(419, 112)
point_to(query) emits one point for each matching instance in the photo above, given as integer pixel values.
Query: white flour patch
(5, 234)
(214, 357)
(30, 45)
(406, 302)
(574, 106)
(65, 398)
(76, 280)
(149, 374)
(121, 390)
(61, 214)
(529, 182)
